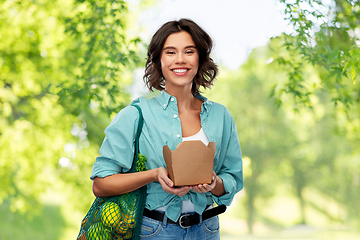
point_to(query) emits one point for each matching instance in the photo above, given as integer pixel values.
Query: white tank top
(188, 206)
(199, 136)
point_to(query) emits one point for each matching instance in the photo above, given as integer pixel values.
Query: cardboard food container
(191, 163)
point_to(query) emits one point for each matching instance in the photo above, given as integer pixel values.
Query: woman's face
(179, 61)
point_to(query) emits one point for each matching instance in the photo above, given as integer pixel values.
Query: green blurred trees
(312, 148)
(326, 35)
(65, 66)
(298, 150)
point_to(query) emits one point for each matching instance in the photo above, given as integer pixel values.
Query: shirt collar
(207, 104)
(164, 99)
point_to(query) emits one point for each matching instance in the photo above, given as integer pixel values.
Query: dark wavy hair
(207, 70)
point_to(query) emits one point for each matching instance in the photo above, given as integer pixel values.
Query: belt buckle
(180, 220)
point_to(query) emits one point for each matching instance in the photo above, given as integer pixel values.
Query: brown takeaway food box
(191, 163)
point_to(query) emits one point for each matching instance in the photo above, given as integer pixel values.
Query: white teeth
(179, 70)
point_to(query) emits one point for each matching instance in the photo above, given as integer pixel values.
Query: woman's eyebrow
(171, 47)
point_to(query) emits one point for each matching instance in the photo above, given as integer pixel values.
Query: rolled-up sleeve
(117, 149)
(231, 171)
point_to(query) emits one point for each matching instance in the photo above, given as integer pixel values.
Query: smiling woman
(178, 65)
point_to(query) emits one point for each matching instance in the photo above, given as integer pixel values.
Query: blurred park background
(67, 67)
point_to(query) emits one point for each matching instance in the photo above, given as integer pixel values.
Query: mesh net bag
(117, 217)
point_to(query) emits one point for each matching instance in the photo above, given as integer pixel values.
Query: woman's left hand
(203, 188)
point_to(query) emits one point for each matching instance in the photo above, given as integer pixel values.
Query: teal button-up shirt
(162, 127)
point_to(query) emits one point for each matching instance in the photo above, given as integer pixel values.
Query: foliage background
(66, 68)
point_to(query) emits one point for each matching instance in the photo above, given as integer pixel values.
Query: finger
(197, 191)
(213, 182)
(203, 188)
(200, 188)
(180, 191)
(166, 185)
(176, 191)
(184, 191)
(169, 182)
(206, 188)
(163, 176)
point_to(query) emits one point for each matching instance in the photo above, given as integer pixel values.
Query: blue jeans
(206, 230)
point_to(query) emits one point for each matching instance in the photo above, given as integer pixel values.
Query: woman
(178, 64)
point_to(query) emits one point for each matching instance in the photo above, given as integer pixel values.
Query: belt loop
(164, 220)
(200, 215)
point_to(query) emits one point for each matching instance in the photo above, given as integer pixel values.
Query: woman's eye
(170, 52)
(189, 52)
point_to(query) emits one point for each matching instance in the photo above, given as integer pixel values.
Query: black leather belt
(186, 220)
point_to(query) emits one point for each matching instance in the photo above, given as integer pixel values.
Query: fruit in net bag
(110, 214)
(98, 231)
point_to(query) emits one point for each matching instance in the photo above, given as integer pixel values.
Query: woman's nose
(180, 59)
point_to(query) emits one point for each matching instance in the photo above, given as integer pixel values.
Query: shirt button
(175, 116)
(172, 99)
(178, 135)
(165, 105)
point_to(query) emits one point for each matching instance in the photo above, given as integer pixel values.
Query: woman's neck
(185, 100)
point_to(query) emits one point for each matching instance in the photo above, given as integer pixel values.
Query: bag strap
(137, 136)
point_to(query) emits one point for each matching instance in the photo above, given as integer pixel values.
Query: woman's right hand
(168, 185)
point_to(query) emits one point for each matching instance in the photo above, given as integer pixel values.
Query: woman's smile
(180, 71)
